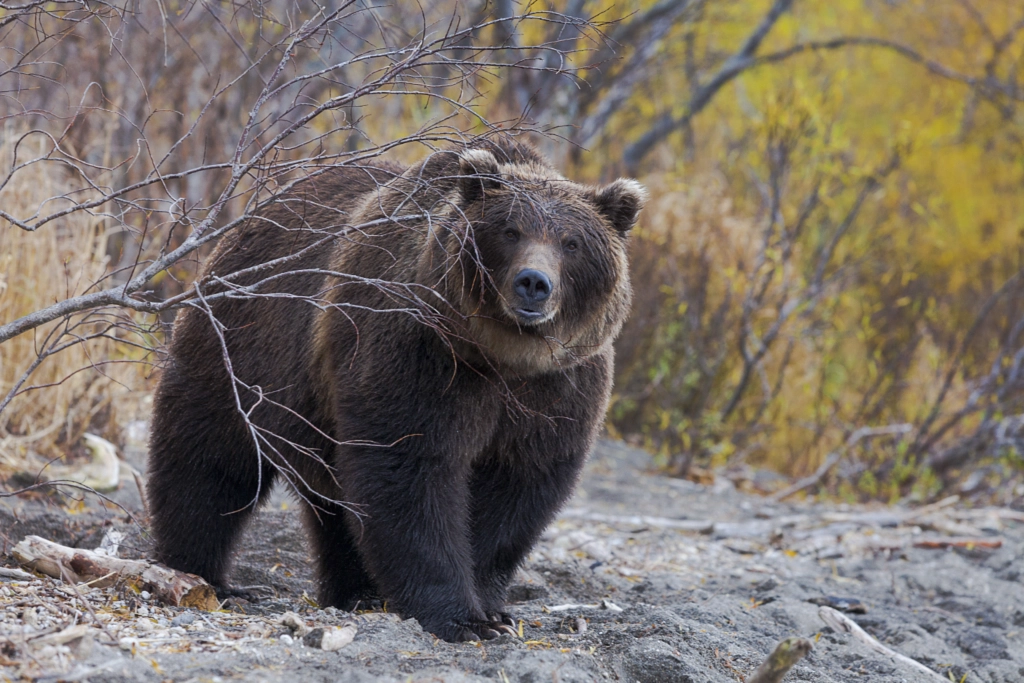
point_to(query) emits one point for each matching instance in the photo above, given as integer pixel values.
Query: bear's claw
(465, 632)
(505, 628)
(501, 618)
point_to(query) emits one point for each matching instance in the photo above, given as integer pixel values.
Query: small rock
(330, 639)
(183, 619)
(767, 585)
(337, 638)
(294, 623)
(652, 661)
(81, 647)
(145, 595)
(313, 638)
(524, 592)
(610, 606)
(286, 639)
(46, 652)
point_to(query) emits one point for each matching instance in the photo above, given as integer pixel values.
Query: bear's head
(542, 272)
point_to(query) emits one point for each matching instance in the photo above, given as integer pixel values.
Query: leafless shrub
(138, 134)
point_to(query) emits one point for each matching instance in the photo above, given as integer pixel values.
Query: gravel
(620, 589)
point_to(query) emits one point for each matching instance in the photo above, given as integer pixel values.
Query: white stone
(337, 638)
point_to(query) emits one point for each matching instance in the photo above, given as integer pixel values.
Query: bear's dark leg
(342, 578)
(514, 498)
(530, 470)
(204, 482)
(412, 535)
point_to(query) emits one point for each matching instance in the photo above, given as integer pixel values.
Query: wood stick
(807, 482)
(142, 493)
(843, 624)
(169, 585)
(701, 526)
(946, 502)
(959, 542)
(835, 456)
(781, 660)
(15, 574)
(66, 576)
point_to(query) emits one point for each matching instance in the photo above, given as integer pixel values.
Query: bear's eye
(511, 235)
(572, 245)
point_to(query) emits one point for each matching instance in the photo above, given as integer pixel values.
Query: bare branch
(734, 66)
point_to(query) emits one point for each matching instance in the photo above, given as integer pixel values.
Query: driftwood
(781, 660)
(101, 570)
(9, 574)
(844, 624)
(701, 526)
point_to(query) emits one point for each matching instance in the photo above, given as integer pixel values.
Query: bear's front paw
(503, 622)
(462, 631)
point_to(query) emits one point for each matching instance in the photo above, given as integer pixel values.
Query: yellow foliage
(930, 244)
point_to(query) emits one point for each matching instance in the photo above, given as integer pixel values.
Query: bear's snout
(534, 294)
(532, 286)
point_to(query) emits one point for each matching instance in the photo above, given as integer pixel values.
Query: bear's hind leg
(204, 483)
(343, 581)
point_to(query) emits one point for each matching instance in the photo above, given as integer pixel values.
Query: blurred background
(828, 275)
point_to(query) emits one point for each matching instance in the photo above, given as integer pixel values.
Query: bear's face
(545, 271)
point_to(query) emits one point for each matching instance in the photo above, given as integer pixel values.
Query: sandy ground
(643, 579)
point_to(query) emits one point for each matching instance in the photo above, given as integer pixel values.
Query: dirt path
(643, 579)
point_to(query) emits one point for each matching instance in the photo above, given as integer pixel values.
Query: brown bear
(424, 354)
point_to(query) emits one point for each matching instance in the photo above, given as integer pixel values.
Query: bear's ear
(479, 172)
(620, 202)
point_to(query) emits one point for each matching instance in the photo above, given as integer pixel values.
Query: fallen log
(781, 660)
(841, 623)
(86, 566)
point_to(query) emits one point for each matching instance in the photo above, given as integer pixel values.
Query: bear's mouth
(530, 316)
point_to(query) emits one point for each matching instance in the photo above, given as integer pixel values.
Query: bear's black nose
(532, 285)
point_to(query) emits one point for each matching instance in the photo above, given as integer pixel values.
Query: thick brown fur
(429, 370)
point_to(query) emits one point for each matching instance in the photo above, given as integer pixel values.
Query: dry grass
(85, 386)
(675, 358)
